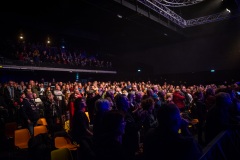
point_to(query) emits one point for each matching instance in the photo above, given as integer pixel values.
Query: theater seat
(21, 138)
(61, 154)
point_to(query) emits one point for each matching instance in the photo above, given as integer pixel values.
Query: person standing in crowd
(165, 141)
(92, 97)
(169, 98)
(30, 112)
(52, 114)
(21, 87)
(179, 99)
(34, 87)
(11, 96)
(210, 98)
(81, 132)
(133, 126)
(218, 117)
(101, 107)
(187, 100)
(39, 103)
(110, 94)
(59, 99)
(147, 115)
(3, 110)
(73, 96)
(110, 145)
(47, 91)
(200, 114)
(41, 90)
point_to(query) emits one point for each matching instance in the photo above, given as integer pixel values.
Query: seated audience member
(165, 141)
(110, 146)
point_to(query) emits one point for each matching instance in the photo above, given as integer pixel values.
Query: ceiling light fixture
(119, 16)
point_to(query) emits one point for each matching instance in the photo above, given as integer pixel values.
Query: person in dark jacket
(29, 111)
(131, 137)
(110, 145)
(165, 142)
(81, 132)
(52, 115)
(201, 112)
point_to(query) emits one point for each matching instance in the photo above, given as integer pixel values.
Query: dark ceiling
(95, 24)
(96, 21)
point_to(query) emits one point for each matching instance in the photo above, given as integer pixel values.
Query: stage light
(21, 37)
(48, 40)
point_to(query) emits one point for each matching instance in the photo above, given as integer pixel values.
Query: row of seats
(21, 137)
(12, 126)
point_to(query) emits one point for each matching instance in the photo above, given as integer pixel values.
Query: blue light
(77, 76)
(212, 70)
(139, 70)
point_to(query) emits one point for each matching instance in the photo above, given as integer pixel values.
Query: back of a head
(169, 117)
(198, 95)
(79, 103)
(223, 105)
(209, 91)
(138, 96)
(147, 103)
(223, 99)
(130, 95)
(112, 121)
(102, 105)
(110, 93)
(149, 92)
(218, 117)
(122, 102)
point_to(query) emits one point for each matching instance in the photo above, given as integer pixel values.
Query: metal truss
(157, 6)
(208, 19)
(164, 11)
(178, 3)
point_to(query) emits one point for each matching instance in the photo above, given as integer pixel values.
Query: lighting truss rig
(177, 3)
(161, 7)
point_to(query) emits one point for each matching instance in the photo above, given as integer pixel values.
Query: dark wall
(219, 52)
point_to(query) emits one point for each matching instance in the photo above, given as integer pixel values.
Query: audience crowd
(127, 120)
(39, 54)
